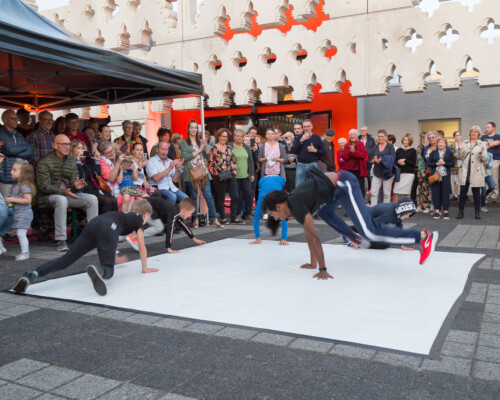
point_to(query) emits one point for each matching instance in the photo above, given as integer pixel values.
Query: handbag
(103, 185)
(225, 176)
(434, 178)
(198, 175)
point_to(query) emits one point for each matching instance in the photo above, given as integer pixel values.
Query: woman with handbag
(382, 154)
(89, 170)
(473, 154)
(195, 153)
(440, 162)
(406, 161)
(223, 166)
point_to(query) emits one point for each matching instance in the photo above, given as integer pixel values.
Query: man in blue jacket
(13, 146)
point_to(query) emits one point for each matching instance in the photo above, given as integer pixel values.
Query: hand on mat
(403, 247)
(323, 275)
(198, 241)
(172, 251)
(120, 259)
(256, 241)
(308, 266)
(148, 270)
(283, 242)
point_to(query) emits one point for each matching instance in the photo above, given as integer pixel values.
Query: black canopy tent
(42, 66)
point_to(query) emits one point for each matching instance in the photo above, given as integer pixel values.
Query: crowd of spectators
(85, 170)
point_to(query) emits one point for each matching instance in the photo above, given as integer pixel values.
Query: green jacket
(50, 172)
(187, 156)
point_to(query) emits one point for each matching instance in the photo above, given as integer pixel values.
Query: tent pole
(202, 112)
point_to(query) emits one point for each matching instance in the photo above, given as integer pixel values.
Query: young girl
(21, 196)
(128, 190)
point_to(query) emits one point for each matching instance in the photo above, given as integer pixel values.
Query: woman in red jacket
(354, 155)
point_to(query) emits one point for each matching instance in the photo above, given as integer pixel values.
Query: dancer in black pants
(101, 233)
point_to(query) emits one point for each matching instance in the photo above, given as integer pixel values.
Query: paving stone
(483, 390)
(413, 394)
(492, 329)
(451, 365)
(87, 387)
(476, 298)
(3, 306)
(488, 354)
(486, 370)
(45, 303)
(491, 318)
(143, 319)
(173, 396)
(462, 337)
(207, 329)
(207, 386)
(272, 338)
(460, 350)
(64, 306)
(478, 288)
(90, 310)
(2, 317)
(237, 333)
(49, 378)
(172, 323)
(467, 320)
(11, 391)
(489, 340)
(17, 310)
(489, 308)
(17, 299)
(352, 351)
(490, 299)
(129, 391)
(398, 360)
(116, 314)
(48, 396)
(311, 345)
(454, 386)
(20, 368)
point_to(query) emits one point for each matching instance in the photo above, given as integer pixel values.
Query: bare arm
(143, 253)
(315, 248)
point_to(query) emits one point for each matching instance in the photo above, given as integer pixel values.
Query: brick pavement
(58, 350)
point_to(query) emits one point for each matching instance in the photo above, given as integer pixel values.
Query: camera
(88, 154)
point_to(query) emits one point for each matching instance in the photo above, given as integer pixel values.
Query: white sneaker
(426, 211)
(3, 250)
(418, 209)
(484, 209)
(22, 256)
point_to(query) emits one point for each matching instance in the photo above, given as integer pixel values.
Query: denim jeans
(207, 194)
(6, 218)
(173, 197)
(491, 185)
(300, 174)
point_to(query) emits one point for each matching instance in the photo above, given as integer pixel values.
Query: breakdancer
(321, 193)
(101, 233)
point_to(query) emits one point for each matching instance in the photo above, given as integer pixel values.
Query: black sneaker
(94, 272)
(23, 283)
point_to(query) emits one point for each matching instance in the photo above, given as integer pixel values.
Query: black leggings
(99, 233)
(220, 193)
(361, 180)
(476, 195)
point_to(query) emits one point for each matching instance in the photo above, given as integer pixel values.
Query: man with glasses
(59, 188)
(13, 146)
(42, 139)
(309, 149)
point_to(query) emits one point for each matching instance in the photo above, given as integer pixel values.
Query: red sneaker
(427, 245)
(133, 242)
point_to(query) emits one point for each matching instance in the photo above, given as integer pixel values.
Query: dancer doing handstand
(321, 193)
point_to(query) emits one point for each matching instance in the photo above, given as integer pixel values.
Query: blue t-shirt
(495, 151)
(127, 179)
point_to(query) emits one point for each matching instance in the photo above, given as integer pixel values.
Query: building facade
(384, 63)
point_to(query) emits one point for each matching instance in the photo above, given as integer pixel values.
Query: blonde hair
(27, 176)
(142, 207)
(74, 144)
(475, 128)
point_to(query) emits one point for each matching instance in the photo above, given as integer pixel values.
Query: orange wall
(342, 105)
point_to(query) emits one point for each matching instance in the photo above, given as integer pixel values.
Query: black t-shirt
(127, 222)
(310, 195)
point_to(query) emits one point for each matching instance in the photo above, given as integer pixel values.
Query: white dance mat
(380, 298)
